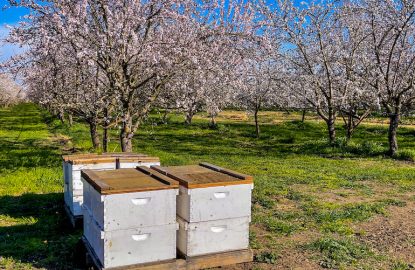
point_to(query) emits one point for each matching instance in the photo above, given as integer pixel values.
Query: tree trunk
(164, 118)
(61, 116)
(349, 133)
(189, 117)
(70, 119)
(303, 116)
(349, 127)
(105, 140)
(212, 120)
(94, 134)
(126, 144)
(331, 126)
(257, 131)
(392, 133)
(126, 134)
(105, 133)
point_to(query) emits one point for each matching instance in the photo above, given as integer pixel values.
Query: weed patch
(339, 253)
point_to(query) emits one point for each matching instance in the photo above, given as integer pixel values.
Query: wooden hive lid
(204, 175)
(128, 180)
(138, 159)
(78, 156)
(93, 158)
(124, 154)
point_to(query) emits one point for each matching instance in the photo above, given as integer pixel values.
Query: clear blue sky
(12, 15)
(9, 17)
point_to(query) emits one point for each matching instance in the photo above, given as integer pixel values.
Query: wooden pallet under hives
(183, 263)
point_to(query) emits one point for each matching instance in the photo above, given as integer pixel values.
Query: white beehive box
(208, 192)
(200, 238)
(111, 200)
(73, 187)
(73, 164)
(130, 216)
(213, 208)
(132, 246)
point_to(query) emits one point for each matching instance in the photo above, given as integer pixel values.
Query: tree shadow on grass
(29, 153)
(34, 229)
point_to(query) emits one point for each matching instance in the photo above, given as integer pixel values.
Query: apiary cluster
(138, 212)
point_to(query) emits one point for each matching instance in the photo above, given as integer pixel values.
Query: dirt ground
(391, 235)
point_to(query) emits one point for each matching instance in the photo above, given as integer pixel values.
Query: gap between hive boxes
(184, 263)
(76, 221)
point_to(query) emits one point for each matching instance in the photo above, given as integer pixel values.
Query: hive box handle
(218, 229)
(221, 195)
(141, 201)
(140, 237)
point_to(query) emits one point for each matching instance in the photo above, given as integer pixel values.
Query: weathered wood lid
(137, 159)
(128, 180)
(124, 154)
(204, 175)
(78, 156)
(89, 158)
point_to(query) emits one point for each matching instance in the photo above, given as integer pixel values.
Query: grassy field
(314, 206)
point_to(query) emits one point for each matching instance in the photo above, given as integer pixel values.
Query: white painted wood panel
(207, 237)
(213, 203)
(65, 172)
(132, 246)
(131, 210)
(75, 186)
(71, 191)
(75, 204)
(93, 166)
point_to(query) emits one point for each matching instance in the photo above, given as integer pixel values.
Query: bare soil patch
(393, 235)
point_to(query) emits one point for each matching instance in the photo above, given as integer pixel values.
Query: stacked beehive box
(73, 164)
(130, 216)
(213, 208)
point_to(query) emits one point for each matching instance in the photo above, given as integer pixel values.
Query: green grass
(340, 253)
(32, 224)
(302, 184)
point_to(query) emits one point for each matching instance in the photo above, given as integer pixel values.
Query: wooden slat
(124, 154)
(202, 176)
(78, 156)
(165, 265)
(189, 263)
(138, 159)
(93, 160)
(159, 169)
(107, 157)
(158, 176)
(226, 171)
(93, 179)
(128, 180)
(219, 259)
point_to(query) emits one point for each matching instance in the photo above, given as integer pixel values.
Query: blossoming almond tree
(390, 56)
(261, 86)
(10, 92)
(139, 47)
(312, 34)
(323, 53)
(59, 77)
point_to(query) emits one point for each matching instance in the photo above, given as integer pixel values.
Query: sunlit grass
(302, 184)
